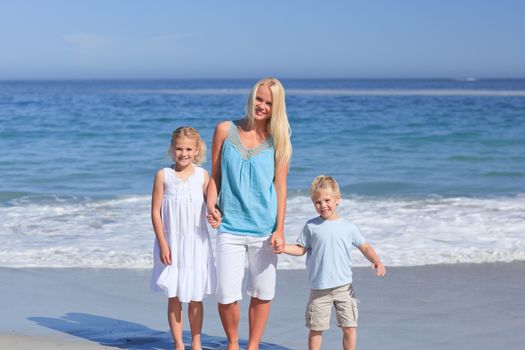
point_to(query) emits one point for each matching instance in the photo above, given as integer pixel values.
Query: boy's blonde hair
(324, 183)
(278, 127)
(191, 133)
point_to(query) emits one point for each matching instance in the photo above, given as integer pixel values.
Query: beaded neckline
(185, 180)
(246, 153)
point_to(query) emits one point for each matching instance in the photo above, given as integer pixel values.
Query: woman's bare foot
(233, 347)
(196, 345)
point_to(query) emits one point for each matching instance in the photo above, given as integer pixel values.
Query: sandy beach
(461, 306)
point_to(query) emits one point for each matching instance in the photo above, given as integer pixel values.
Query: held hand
(214, 217)
(277, 242)
(381, 271)
(165, 255)
(278, 247)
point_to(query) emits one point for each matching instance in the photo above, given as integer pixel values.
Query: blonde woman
(250, 159)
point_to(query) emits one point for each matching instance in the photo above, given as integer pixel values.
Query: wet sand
(461, 306)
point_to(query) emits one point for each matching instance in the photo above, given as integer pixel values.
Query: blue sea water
(436, 166)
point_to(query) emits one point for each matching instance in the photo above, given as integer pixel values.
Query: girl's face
(184, 150)
(263, 103)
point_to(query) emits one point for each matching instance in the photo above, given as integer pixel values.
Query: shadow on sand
(128, 335)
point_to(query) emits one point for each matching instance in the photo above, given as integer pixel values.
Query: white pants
(262, 264)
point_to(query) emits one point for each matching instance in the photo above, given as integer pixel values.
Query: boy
(328, 240)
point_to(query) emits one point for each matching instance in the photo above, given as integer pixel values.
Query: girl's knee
(174, 301)
(195, 305)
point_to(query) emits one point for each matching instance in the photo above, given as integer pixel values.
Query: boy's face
(326, 203)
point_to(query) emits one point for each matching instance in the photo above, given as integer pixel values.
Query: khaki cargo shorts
(320, 305)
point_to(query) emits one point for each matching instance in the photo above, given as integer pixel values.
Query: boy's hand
(278, 247)
(381, 271)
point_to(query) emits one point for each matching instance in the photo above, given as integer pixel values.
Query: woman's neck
(259, 127)
(252, 136)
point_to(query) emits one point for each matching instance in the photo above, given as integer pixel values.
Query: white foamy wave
(106, 233)
(339, 92)
(405, 232)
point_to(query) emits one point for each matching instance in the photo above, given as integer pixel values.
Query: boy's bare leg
(315, 339)
(230, 315)
(258, 315)
(175, 322)
(195, 315)
(349, 338)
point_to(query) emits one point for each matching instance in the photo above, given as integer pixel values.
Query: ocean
(431, 171)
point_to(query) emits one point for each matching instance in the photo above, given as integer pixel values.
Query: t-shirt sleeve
(304, 237)
(357, 237)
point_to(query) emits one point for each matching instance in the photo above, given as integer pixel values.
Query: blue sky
(67, 39)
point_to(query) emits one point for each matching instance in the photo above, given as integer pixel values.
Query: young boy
(328, 240)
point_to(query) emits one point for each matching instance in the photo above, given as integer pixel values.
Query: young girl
(249, 168)
(183, 259)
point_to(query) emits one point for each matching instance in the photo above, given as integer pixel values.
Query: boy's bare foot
(179, 346)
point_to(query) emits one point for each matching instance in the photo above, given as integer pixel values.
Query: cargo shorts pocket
(317, 318)
(354, 309)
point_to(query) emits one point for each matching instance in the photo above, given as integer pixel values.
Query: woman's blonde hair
(278, 127)
(324, 183)
(191, 133)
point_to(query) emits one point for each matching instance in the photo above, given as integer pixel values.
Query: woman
(250, 159)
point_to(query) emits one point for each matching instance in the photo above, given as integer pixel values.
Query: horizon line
(459, 79)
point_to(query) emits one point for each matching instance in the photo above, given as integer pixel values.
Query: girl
(249, 168)
(183, 259)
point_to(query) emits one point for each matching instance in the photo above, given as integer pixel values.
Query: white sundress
(191, 275)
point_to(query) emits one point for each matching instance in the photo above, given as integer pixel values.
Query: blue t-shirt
(329, 244)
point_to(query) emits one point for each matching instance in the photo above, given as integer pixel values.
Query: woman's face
(263, 103)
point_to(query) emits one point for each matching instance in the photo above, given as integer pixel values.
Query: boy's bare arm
(372, 256)
(294, 249)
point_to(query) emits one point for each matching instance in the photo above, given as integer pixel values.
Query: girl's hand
(165, 255)
(381, 271)
(277, 242)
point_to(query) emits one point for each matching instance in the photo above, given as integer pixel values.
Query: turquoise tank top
(247, 198)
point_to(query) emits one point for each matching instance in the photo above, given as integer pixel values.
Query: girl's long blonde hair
(191, 133)
(278, 126)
